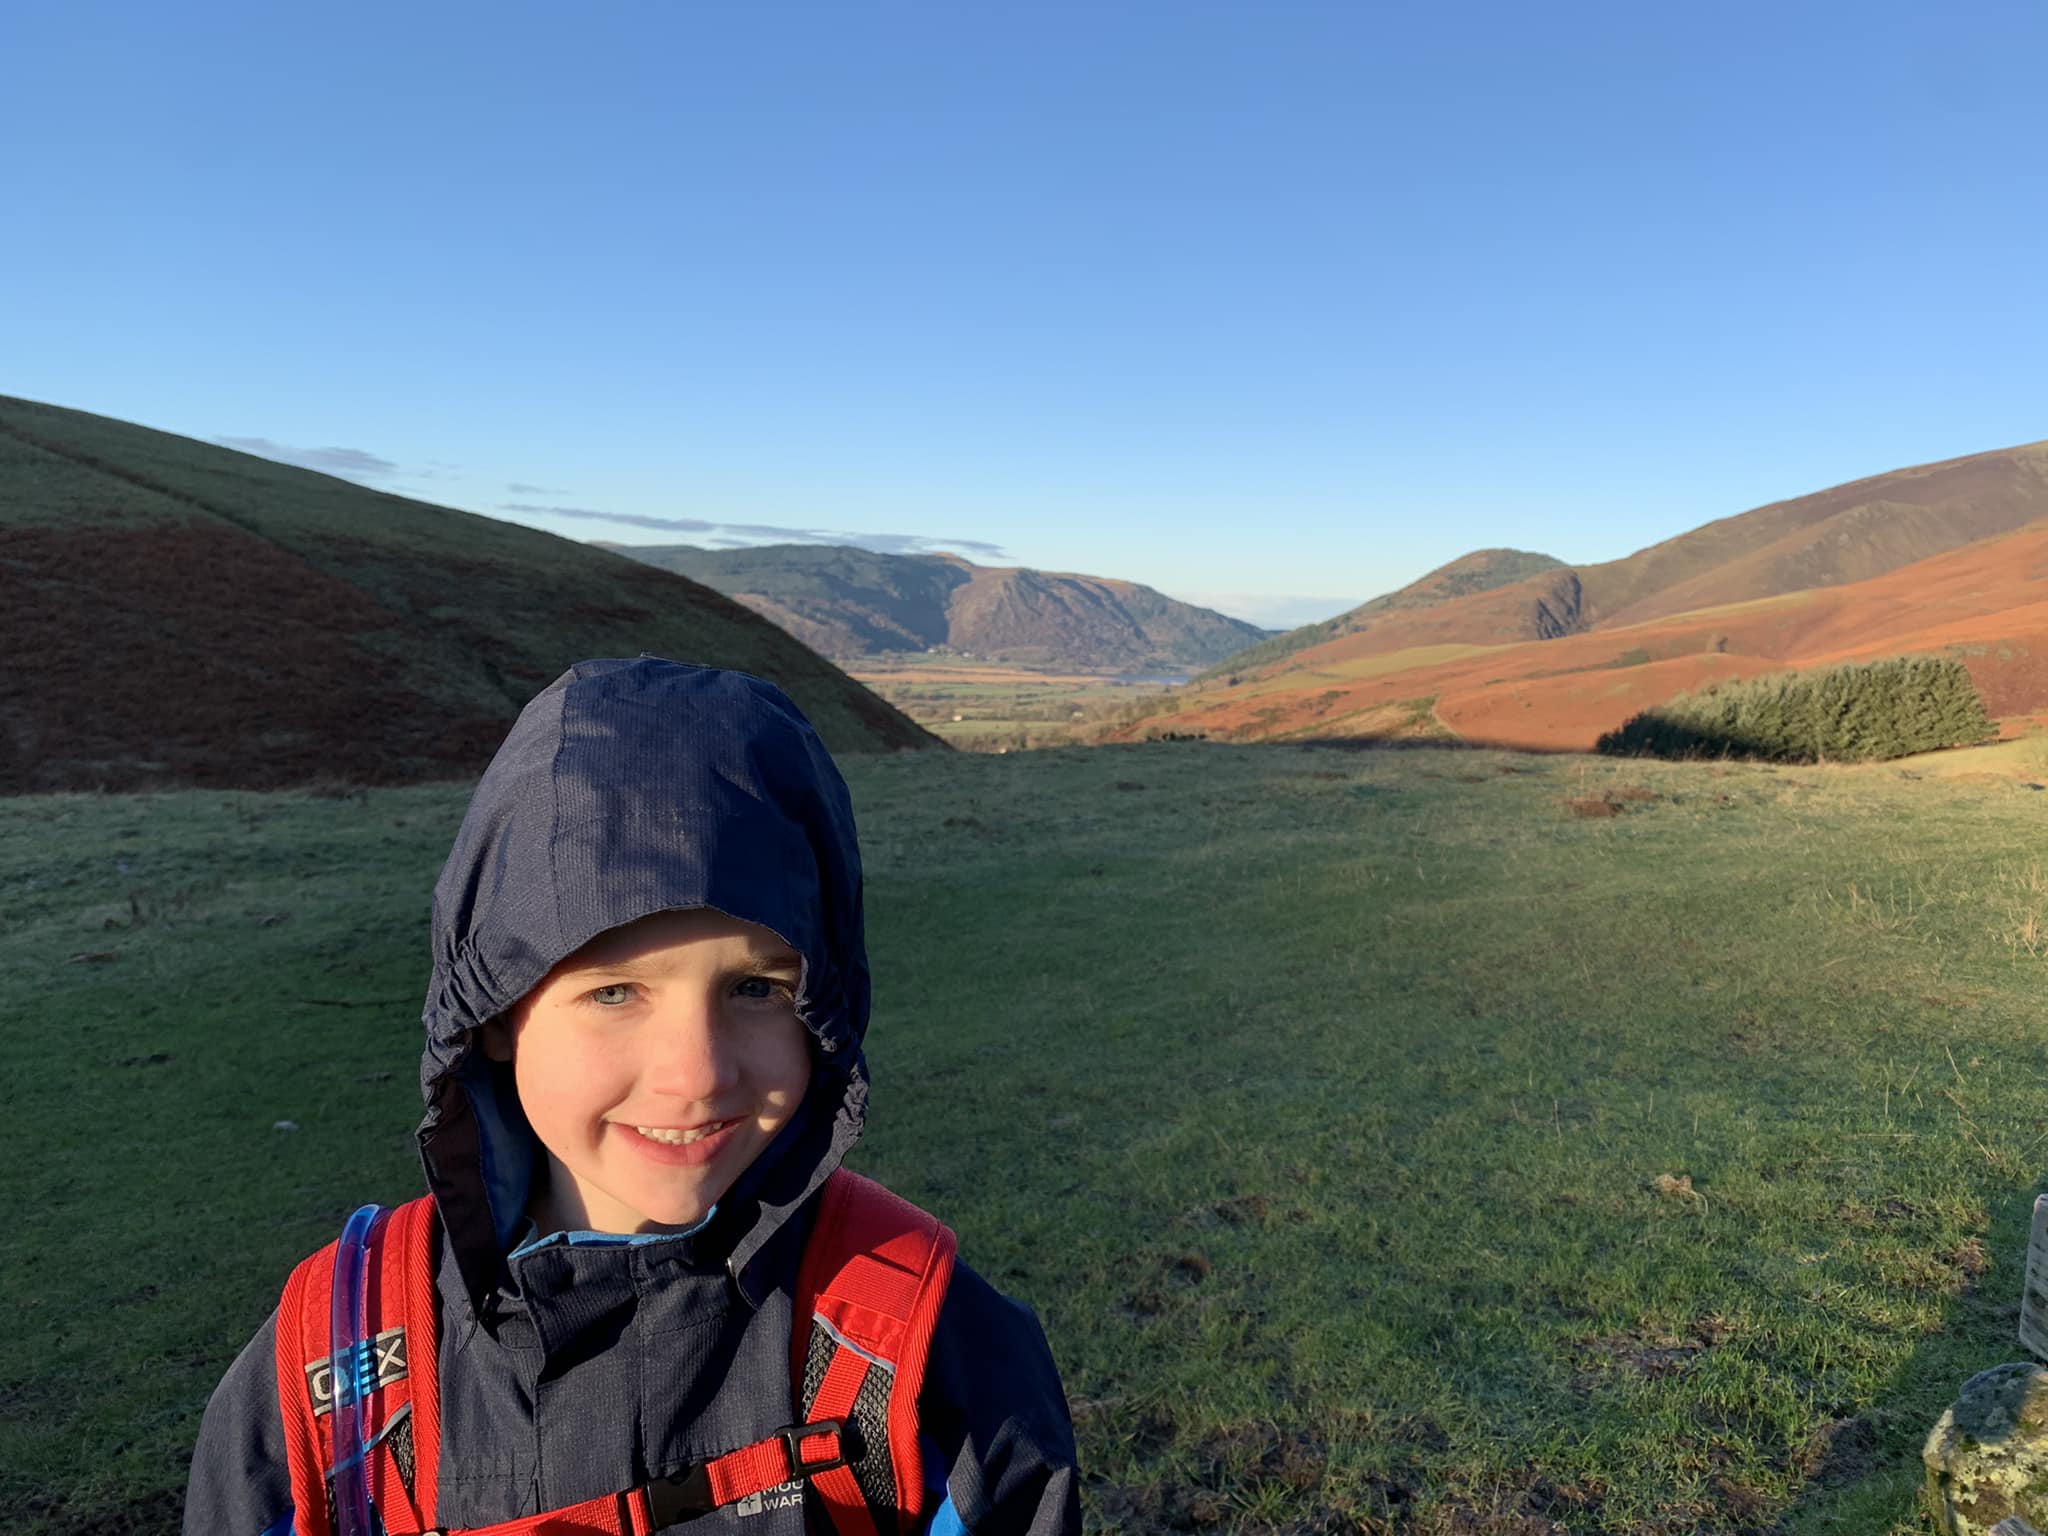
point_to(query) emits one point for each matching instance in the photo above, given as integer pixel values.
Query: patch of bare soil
(1538, 1508)
(1156, 1279)
(1648, 1352)
(1236, 1464)
(1841, 1452)
(1883, 1213)
(1610, 802)
(1968, 1261)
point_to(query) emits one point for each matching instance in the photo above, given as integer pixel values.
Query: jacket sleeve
(241, 1484)
(995, 1412)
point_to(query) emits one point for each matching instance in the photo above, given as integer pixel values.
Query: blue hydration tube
(351, 1372)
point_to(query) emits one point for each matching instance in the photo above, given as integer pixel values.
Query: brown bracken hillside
(1482, 570)
(179, 613)
(1948, 558)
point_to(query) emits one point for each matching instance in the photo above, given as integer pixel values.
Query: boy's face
(682, 1025)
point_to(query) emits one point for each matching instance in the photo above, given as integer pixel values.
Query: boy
(643, 1065)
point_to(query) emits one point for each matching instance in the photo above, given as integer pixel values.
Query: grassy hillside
(1418, 1141)
(853, 604)
(1481, 571)
(197, 615)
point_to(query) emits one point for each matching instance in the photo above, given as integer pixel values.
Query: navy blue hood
(627, 788)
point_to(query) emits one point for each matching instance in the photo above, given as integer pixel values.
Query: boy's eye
(611, 996)
(768, 986)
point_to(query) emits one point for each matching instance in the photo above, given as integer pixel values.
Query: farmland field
(1432, 1140)
(986, 706)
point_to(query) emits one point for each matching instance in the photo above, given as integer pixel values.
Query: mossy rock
(1988, 1457)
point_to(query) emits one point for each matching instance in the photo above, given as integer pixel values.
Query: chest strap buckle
(672, 1500)
(754, 1469)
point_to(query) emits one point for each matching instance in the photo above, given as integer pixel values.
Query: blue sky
(1273, 306)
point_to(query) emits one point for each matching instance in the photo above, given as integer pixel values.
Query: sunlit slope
(1851, 533)
(1483, 570)
(182, 613)
(1901, 561)
(1986, 603)
(1845, 534)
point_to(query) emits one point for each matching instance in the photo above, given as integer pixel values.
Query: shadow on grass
(1863, 1468)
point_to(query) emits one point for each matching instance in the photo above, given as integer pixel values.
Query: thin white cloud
(746, 535)
(351, 463)
(630, 519)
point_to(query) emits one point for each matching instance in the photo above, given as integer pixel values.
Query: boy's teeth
(680, 1138)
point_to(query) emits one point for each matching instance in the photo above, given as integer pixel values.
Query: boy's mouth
(673, 1138)
(672, 1147)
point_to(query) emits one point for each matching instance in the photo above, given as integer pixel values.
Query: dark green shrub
(1857, 712)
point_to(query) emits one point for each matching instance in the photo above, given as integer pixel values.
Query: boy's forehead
(647, 937)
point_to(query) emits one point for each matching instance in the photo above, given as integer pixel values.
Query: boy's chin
(617, 1206)
(678, 1210)
(678, 1217)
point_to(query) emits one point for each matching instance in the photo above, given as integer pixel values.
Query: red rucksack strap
(396, 1371)
(873, 1279)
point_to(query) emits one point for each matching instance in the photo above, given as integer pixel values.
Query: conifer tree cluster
(1856, 712)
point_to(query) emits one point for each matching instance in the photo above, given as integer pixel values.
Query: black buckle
(673, 1500)
(796, 1434)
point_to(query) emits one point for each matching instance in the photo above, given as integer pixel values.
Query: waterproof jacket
(584, 1364)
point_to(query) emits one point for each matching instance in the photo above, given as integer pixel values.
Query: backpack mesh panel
(403, 1453)
(873, 1470)
(817, 1356)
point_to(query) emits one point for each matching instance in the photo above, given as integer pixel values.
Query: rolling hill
(1948, 557)
(180, 613)
(1844, 534)
(850, 604)
(1481, 571)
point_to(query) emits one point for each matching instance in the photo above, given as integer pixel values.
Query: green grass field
(1421, 1140)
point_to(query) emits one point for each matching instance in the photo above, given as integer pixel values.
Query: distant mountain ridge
(849, 603)
(188, 614)
(1937, 557)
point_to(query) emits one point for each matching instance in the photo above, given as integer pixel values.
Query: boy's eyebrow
(774, 960)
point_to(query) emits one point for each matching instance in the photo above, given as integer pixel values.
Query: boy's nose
(690, 1057)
